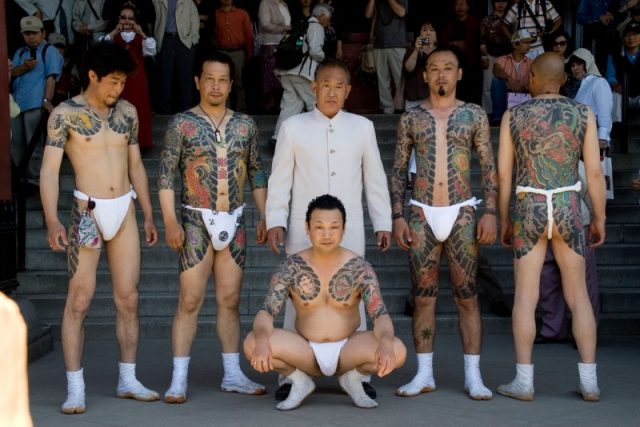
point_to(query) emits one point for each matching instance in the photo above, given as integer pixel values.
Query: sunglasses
(127, 18)
(561, 43)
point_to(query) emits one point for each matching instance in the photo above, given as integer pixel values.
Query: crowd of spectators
(166, 36)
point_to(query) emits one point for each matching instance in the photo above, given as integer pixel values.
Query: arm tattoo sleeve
(401, 164)
(278, 289)
(257, 175)
(370, 291)
(482, 140)
(170, 156)
(57, 128)
(133, 132)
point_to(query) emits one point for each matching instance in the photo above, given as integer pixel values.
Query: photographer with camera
(415, 88)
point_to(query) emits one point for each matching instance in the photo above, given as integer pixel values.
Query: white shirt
(595, 92)
(316, 155)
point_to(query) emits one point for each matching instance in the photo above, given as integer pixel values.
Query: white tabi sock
(521, 387)
(588, 382)
(75, 393)
(301, 386)
(130, 388)
(423, 382)
(177, 392)
(473, 379)
(234, 380)
(351, 382)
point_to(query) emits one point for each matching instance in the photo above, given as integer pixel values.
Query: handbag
(367, 58)
(516, 98)
(607, 170)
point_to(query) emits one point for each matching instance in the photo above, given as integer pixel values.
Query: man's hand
(385, 357)
(596, 232)
(606, 19)
(401, 233)
(57, 236)
(383, 239)
(174, 235)
(261, 232)
(275, 236)
(635, 184)
(30, 64)
(150, 232)
(261, 359)
(506, 232)
(486, 232)
(616, 87)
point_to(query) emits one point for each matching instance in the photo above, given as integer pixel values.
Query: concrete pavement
(556, 403)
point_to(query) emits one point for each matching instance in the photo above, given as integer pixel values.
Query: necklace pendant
(218, 137)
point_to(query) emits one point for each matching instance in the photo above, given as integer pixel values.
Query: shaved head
(547, 74)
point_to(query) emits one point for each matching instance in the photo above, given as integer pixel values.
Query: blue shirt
(590, 11)
(172, 26)
(610, 75)
(28, 88)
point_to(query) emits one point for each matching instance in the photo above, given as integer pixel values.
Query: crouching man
(326, 283)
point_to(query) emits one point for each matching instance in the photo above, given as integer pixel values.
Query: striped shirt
(523, 20)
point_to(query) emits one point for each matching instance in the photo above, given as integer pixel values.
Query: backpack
(289, 52)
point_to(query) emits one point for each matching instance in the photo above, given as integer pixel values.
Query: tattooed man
(330, 151)
(326, 284)
(546, 137)
(216, 151)
(98, 132)
(443, 132)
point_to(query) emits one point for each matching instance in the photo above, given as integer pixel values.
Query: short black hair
(326, 202)
(214, 56)
(332, 63)
(104, 58)
(450, 48)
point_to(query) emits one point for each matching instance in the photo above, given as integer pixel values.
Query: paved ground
(556, 404)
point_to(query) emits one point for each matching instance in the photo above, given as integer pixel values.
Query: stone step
(164, 303)
(33, 282)
(618, 324)
(261, 256)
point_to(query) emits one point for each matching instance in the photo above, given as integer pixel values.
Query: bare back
(326, 297)
(98, 147)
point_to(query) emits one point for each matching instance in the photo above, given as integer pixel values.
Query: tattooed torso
(213, 175)
(97, 146)
(547, 135)
(467, 127)
(326, 311)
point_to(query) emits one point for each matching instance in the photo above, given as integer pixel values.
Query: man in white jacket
(327, 151)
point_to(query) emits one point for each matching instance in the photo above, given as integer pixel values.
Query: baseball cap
(632, 27)
(522, 36)
(30, 23)
(57, 39)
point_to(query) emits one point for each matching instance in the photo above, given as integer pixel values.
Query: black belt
(235, 49)
(167, 34)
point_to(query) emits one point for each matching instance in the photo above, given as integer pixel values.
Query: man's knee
(467, 305)
(126, 301)
(78, 301)
(229, 299)
(425, 303)
(191, 301)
